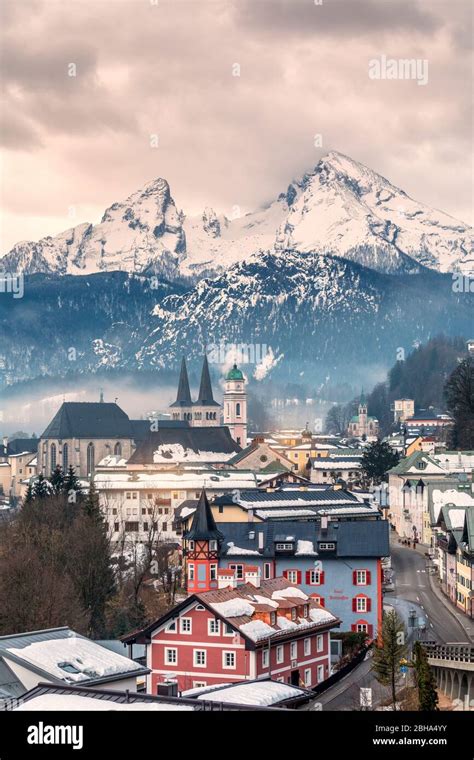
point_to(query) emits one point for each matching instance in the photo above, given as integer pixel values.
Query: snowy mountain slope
(341, 208)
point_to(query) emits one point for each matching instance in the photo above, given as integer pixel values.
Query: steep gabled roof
(195, 441)
(183, 397)
(203, 527)
(84, 419)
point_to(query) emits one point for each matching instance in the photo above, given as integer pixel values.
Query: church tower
(206, 411)
(235, 406)
(202, 549)
(362, 415)
(182, 408)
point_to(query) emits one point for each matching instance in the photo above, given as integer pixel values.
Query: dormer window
(213, 545)
(326, 547)
(273, 618)
(293, 613)
(191, 546)
(305, 610)
(284, 547)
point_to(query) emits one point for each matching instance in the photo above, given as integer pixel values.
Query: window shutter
(354, 604)
(285, 573)
(308, 576)
(369, 604)
(354, 627)
(368, 577)
(371, 631)
(298, 577)
(354, 577)
(321, 577)
(321, 601)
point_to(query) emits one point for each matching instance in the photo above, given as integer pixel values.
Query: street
(412, 592)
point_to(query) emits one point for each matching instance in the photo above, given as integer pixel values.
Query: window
(185, 625)
(320, 673)
(292, 576)
(265, 658)
(53, 456)
(293, 650)
(191, 572)
(145, 526)
(171, 627)
(212, 546)
(213, 627)
(307, 677)
(199, 658)
(362, 628)
(305, 610)
(239, 570)
(118, 449)
(267, 570)
(361, 577)
(191, 546)
(293, 613)
(327, 546)
(171, 656)
(284, 547)
(90, 458)
(361, 604)
(237, 409)
(165, 527)
(319, 643)
(273, 618)
(199, 684)
(228, 660)
(131, 527)
(279, 654)
(65, 457)
(213, 572)
(228, 630)
(307, 647)
(315, 577)
(116, 527)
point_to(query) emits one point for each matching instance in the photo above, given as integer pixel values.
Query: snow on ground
(85, 658)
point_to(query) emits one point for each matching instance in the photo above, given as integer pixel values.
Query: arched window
(118, 449)
(90, 459)
(53, 456)
(237, 409)
(65, 457)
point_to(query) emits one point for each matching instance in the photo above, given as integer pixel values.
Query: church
(205, 411)
(362, 424)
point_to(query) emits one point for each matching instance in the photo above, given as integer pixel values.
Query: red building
(231, 629)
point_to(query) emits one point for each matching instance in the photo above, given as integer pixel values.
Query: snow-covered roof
(61, 702)
(258, 693)
(64, 655)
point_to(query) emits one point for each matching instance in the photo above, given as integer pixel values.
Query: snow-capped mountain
(341, 208)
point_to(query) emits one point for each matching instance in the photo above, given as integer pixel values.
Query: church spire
(205, 397)
(183, 397)
(204, 526)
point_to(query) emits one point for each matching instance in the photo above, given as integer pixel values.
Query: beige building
(402, 409)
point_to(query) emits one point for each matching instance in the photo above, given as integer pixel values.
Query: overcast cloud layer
(74, 144)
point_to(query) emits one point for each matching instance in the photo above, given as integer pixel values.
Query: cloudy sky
(72, 145)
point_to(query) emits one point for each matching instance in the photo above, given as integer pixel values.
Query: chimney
(250, 515)
(324, 523)
(260, 539)
(226, 578)
(5, 442)
(252, 575)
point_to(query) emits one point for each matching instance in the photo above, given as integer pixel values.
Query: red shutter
(321, 601)
(285, 573)
(354, 577)
(368, 577)
(298, 577)
(371, 631)
(308, 577)
(354, 605)
(354, 627)
(321, 577)
(368, 604)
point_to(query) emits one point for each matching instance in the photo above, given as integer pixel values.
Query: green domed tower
(235, 405)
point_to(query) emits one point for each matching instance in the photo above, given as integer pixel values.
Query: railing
(453, 652)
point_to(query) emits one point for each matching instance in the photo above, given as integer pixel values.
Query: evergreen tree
(459, 393)
(57, 480)
(377, 459)
(387, 656)
(41, 488)
(91, 504)
(29, 495)
(425, 680)
(72, 484)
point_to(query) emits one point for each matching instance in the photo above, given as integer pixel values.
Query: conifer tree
(29, 494)
(91, 504)
(72, 484)
(425, 680)
(57, 480)
(41, 487)
(387, 656)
